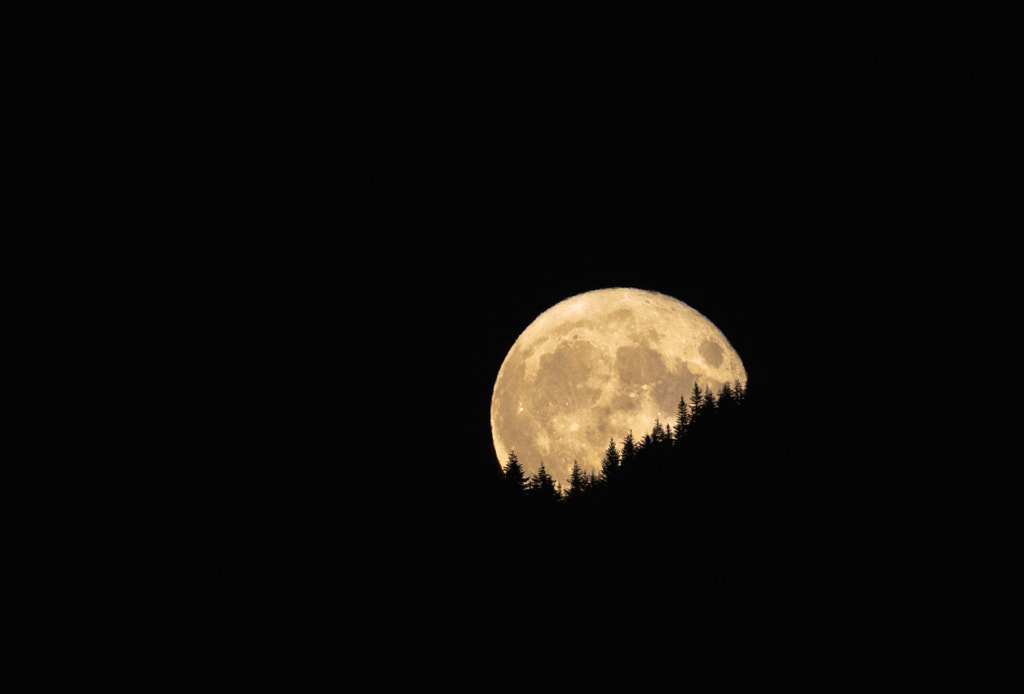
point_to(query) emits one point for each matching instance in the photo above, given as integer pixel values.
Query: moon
(597, 366)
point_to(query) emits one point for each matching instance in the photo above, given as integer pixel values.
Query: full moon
(597, 366)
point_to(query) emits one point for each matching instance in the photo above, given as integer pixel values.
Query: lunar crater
(712, 353)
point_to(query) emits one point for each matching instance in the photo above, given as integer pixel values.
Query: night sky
(395, 234)
(374, 222)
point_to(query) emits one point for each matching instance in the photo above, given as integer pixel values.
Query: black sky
(361, 225)
(396, 218)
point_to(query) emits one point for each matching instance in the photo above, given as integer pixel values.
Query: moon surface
(597, 366)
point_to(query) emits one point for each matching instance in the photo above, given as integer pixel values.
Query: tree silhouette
(578, 484)
(646, 444)
(727, 401)
(708, 402)
(739, 391)
(682, 419)
(696, 402)
(610, 463)
(542, 490)
(649, 471)
(629, 451)
(515, 480)
(659, 433)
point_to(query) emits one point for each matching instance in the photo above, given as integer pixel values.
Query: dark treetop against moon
(597, 366)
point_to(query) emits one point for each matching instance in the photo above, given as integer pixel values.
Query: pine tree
(696, 401)
(610, 463)
(542, 487)
(515, 480)
(726, 400)
(708, 402)
(577, 483)
(726, 391)
(629, 450)
(739, 391)
(682, 418)
(658, 433)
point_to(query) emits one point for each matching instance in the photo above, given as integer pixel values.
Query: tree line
(707, 426)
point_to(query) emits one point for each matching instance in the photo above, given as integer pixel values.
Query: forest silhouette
(709, 480)
(702, 446)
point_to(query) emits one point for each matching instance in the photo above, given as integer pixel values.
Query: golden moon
(597, 366)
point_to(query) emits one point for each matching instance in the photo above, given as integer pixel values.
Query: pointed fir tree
(739, 391)
(542, 487)
(629, 450)
(577, 483)
(610, 462)
(658, 433)
(726, 392)
(708, 402)
(515, 480)
(696, 402)
(682, 418)
(726, 399)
